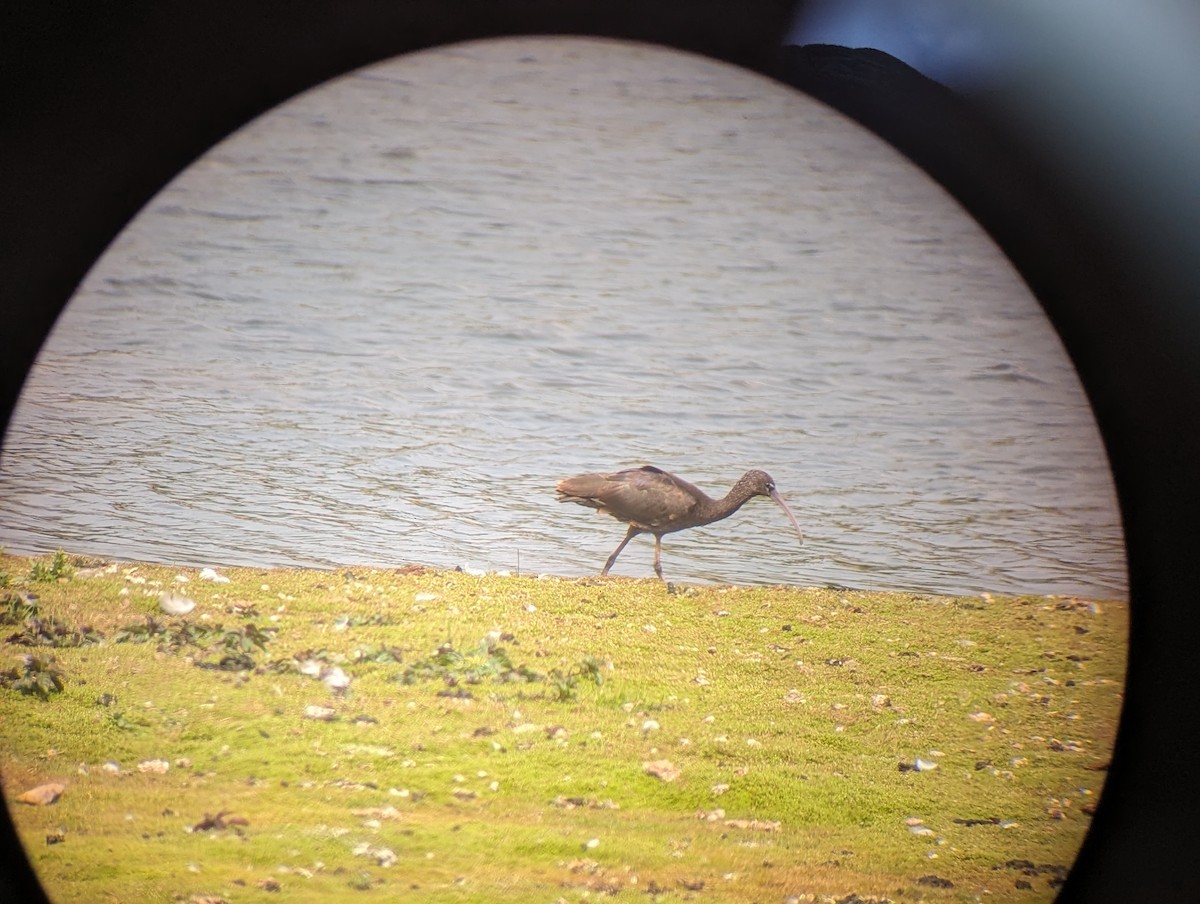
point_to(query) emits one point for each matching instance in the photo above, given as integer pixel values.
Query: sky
(967, 42)
(1105, 90)
(958, 44)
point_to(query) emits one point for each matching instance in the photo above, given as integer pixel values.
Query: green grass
(518, 775)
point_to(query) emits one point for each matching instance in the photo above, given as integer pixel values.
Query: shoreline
(88, 561)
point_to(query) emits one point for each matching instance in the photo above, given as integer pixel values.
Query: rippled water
(376, 327)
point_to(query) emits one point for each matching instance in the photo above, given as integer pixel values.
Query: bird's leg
(633, 532)
(658, 556)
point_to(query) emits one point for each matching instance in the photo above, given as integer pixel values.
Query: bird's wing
(650, 498)
(585, 489)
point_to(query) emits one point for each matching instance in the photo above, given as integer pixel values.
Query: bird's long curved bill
(787, 511)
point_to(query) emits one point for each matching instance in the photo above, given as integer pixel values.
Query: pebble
(176, 604)
(336, 680)
(763, 825)
(377, 813)
(42, 795)
(385, 857)
(662, 769)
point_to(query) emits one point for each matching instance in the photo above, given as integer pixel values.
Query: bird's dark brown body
(651, 501)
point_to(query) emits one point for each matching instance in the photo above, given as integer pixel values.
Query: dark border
(104, 104)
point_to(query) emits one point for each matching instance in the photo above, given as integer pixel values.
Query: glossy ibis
(651, 501)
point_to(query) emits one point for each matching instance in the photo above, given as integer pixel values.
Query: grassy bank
(493, 741)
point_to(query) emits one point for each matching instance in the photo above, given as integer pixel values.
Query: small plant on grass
(34, 675)
(235, 644)
(381, 653)
(139, 633)
(17, 608)
(456, 668)
(52, 632)
(171, 638)
(359, 621)
(247, 638)
(362, 881)
(303, 659)
(492, 662)
(565, 684)
(59, 567)
(121, 723)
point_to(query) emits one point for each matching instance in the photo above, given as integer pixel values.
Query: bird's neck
(729, 503)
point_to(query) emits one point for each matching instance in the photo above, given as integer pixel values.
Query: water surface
(378, 324)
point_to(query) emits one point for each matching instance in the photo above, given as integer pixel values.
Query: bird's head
(760, 483)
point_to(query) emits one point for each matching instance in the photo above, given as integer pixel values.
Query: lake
(378, 324)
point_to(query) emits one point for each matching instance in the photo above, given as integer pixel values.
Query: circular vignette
(107, 107)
